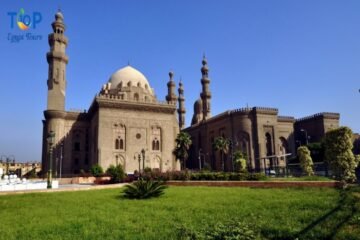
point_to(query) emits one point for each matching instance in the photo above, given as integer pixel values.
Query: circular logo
(23, 21)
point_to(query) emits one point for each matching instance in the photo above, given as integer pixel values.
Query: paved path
(67, 188)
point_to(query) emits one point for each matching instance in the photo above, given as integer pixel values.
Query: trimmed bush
(96, 170)
(116, 173)
(306, 162)
(338, 153)
(144, 188)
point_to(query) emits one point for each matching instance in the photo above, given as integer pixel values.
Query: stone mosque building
(125, 118)
(265, 137)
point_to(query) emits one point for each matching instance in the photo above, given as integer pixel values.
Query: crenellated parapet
(327, 115)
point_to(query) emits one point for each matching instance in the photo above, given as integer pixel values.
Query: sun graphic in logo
(23, 21)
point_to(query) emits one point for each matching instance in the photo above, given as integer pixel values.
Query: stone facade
(266, 138)
(124, 118)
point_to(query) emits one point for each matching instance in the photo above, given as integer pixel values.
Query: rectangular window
(76, 146)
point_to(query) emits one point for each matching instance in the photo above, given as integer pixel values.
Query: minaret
(181, 110)
(205, 94)
(171, 97)
(57, 61)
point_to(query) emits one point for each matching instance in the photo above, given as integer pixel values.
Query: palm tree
(183, 143)
(221, 144)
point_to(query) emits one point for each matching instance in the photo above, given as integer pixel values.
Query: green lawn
(307, 213)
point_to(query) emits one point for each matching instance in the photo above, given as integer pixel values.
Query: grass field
(308, 213)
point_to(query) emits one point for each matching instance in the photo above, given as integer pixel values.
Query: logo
(25, 22)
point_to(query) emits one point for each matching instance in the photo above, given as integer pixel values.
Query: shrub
(240, 161)
(306, 162)
(143, 189)
(156, 175)
(116, 173)
(96, 170)
(256, 177)
(338, 153)
(180, 175)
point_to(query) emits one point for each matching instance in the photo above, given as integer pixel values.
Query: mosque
(126, 124)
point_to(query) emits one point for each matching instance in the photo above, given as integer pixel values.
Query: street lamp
(50, 139)
(143, 156)
(200, 159)
(61, 157)
(306, 136)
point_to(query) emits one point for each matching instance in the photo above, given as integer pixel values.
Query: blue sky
(301, 57)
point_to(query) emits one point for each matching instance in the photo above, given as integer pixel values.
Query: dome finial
(171, 75)
(204, 61)
(59, 16)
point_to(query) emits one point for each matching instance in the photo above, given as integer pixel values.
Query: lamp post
(50, 139)
(306, 136)
(139, 159)
(200, 159)
(61, 157)
(143, 156)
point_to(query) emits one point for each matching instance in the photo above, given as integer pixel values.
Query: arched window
(283, 148)
(157, 145)
(117, 143)
(136, 97)
(121, 144)
(153, 145)
(268, 144)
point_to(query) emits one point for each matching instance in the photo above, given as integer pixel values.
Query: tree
(183, 143)
(306, 161)
(240, 161)
(221, 144)
(339, 155)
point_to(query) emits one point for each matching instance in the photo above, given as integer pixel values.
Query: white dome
(129, 76)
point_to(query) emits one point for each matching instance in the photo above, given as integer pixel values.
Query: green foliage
(183, 143)
(221, 144)
(339, 155)
(96, 170)
(116, 173)
(224, 176)
(229, 230)
(143, 189)
(315, 212)
(240, 161)
(306, 162)
(317, 151)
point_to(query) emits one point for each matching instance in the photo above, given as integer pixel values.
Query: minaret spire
(205, 94)
(171, 97)
(57, 60)
(181, 110)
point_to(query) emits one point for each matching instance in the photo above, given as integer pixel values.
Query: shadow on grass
(326, 226)
(346, 208)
